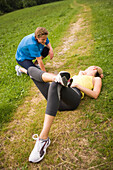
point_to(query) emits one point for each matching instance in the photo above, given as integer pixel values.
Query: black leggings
(58, 97)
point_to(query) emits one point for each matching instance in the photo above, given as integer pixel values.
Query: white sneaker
(39, 150)
(17, 68)
(63, 77)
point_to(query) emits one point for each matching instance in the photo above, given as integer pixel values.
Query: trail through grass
(14, 26)
(81, 139)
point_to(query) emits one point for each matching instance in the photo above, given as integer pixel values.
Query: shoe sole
(64, 81)
(66, 74)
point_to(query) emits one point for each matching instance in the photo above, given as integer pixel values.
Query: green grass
(14, 26)
(102, 55)
(88, 131)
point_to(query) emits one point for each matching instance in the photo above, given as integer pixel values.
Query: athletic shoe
(39, 150)
(63, 78)
(69, 82)
(17, 68)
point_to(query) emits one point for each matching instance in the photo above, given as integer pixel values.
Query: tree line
(12, 5)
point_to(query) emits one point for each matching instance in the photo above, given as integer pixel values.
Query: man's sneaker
(17, 68)
(39, 150)
(63, 78)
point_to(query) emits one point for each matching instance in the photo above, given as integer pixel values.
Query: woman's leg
(36, 75)
(41, 79)
(46, 127)
(50, 92)
(70, 99)
(43, 141)
(51, 109)
(40, 75)
(43, 87)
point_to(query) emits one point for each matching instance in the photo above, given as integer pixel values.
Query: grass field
(14, 26)
(88, 131)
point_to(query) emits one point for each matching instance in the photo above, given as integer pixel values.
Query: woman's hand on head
(81, 73)
(101, 76)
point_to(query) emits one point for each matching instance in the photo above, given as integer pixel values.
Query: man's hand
(51, 53)
(40, 62)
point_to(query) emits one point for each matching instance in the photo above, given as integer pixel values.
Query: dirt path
(68, 42)
(17, 131)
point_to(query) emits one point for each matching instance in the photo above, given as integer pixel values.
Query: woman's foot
(63, 78)
(39, 150)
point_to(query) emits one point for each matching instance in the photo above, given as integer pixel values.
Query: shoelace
(35, 138)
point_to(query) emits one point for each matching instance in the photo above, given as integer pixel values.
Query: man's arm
(40, 62)
(50, 51)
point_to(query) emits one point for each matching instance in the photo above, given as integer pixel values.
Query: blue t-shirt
(29, 48)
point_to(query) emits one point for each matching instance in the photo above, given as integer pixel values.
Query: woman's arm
(81, 73)
(91, 93)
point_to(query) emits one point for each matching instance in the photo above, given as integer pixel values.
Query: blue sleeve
(34, 51)
(47, 41)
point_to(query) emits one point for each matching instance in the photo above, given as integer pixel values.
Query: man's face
(42, 39)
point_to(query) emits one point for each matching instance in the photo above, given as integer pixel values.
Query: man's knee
(45, 52)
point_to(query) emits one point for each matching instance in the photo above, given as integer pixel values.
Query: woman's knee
(35, 73)
(53, 88)
(54, 85)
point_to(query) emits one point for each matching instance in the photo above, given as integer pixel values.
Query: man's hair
(40, 31)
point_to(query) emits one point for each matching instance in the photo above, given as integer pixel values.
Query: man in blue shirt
(34, 46)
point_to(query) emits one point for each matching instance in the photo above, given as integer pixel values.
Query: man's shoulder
(31, 39)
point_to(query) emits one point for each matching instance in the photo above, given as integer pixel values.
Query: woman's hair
(97, 74)
(40, 31)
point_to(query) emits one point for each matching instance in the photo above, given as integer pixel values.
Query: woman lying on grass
(61, 97)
